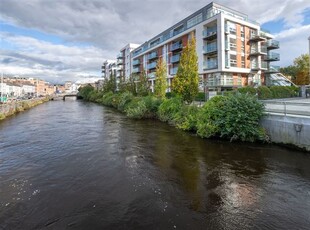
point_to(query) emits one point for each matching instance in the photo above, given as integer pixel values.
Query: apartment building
(232, 50)
(124, 67)
(108, 68)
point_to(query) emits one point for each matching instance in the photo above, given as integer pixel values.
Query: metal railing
(287, 107)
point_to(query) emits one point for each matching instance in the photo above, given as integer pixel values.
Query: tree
(109, 85)
(302, 65)
(185, 83)
(299, 71)
(142, 84)
(161, 82)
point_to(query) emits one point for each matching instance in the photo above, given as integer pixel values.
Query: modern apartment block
(232, 50)
(124, 61)
(108, 68)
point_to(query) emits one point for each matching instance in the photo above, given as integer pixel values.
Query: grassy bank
(233, 117)
(9, 109)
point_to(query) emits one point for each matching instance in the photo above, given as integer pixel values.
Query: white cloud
(47, 60)
(110, 24)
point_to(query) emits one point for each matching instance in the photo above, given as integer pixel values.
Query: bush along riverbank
(14, 107)
(233, 117)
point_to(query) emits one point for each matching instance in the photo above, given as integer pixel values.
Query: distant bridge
(65, 96)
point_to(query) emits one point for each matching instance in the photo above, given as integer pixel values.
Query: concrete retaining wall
(294, 130)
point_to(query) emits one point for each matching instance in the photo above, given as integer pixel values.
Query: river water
(78, 165)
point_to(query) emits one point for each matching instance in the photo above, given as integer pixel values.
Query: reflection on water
(82, 166)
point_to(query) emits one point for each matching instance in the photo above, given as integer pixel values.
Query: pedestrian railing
(287, 108)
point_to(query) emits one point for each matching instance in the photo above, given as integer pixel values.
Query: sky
(60, 40)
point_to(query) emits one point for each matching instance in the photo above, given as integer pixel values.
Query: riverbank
(14, 107)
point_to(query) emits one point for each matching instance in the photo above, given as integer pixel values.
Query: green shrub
(200, 96)
(107, 99)
(264, 92)
(186, 118)
(281, 91)
(2, 116)
(124, 100)
(169, 108)
(85, 91)
(143, 107)
(136, 108)
(235, 117)
(208, 117)
(247, 90)
(152, 104)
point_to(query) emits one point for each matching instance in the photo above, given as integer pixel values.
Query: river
(78, 165)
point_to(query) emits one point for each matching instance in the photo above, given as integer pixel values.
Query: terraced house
(232, 50)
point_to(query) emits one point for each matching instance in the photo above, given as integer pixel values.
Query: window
(194, 20)
(232, 44)
(243, 61)
(233, 60)
(242, 47)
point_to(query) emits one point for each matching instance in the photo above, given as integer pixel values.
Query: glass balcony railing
(272, 57)
(136, 62)
(210, 48)
(120, 56)
(209, 32)
(211, 64)
(151, 75)
(151, 65)
(273, 44)
(176, 46)
(136, 70)
(175, 58)
(152, 55)
(273, 69)
(173, 71)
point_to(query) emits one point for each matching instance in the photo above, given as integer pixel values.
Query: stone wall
(11, 108)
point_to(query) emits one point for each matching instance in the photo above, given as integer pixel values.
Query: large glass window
(194, 20)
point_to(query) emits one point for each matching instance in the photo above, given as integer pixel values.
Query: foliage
(264, 92)
(85, 91)
(161, 82)
(299, 71)
(186, 118)
(235, 117)
(142, 84)
(200, 96)
(247, 90)
(281, 92)
(109, 85)
(185, 83)
(143, 107)
(124, 99)
(107, 99)
(127, 85)
(290, 70)
(169, 108)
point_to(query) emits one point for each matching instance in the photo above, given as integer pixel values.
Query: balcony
(136, 62)
(175, 58)
(257, 66)
(273, 69)
(210, 64)
(119, 62)
(176, 46)
(272, 57)
(152, 55)
(273, 44)
(173, 71)
(210, 33)
(256, 52)
(227, 46)
(151, 75)
(136, 70)
(152, 65)
(210, 48)
(257, 37)
(120, 56)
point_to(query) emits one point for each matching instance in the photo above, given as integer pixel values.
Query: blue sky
(68, 40)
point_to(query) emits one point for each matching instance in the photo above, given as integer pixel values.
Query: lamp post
(309, 56)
